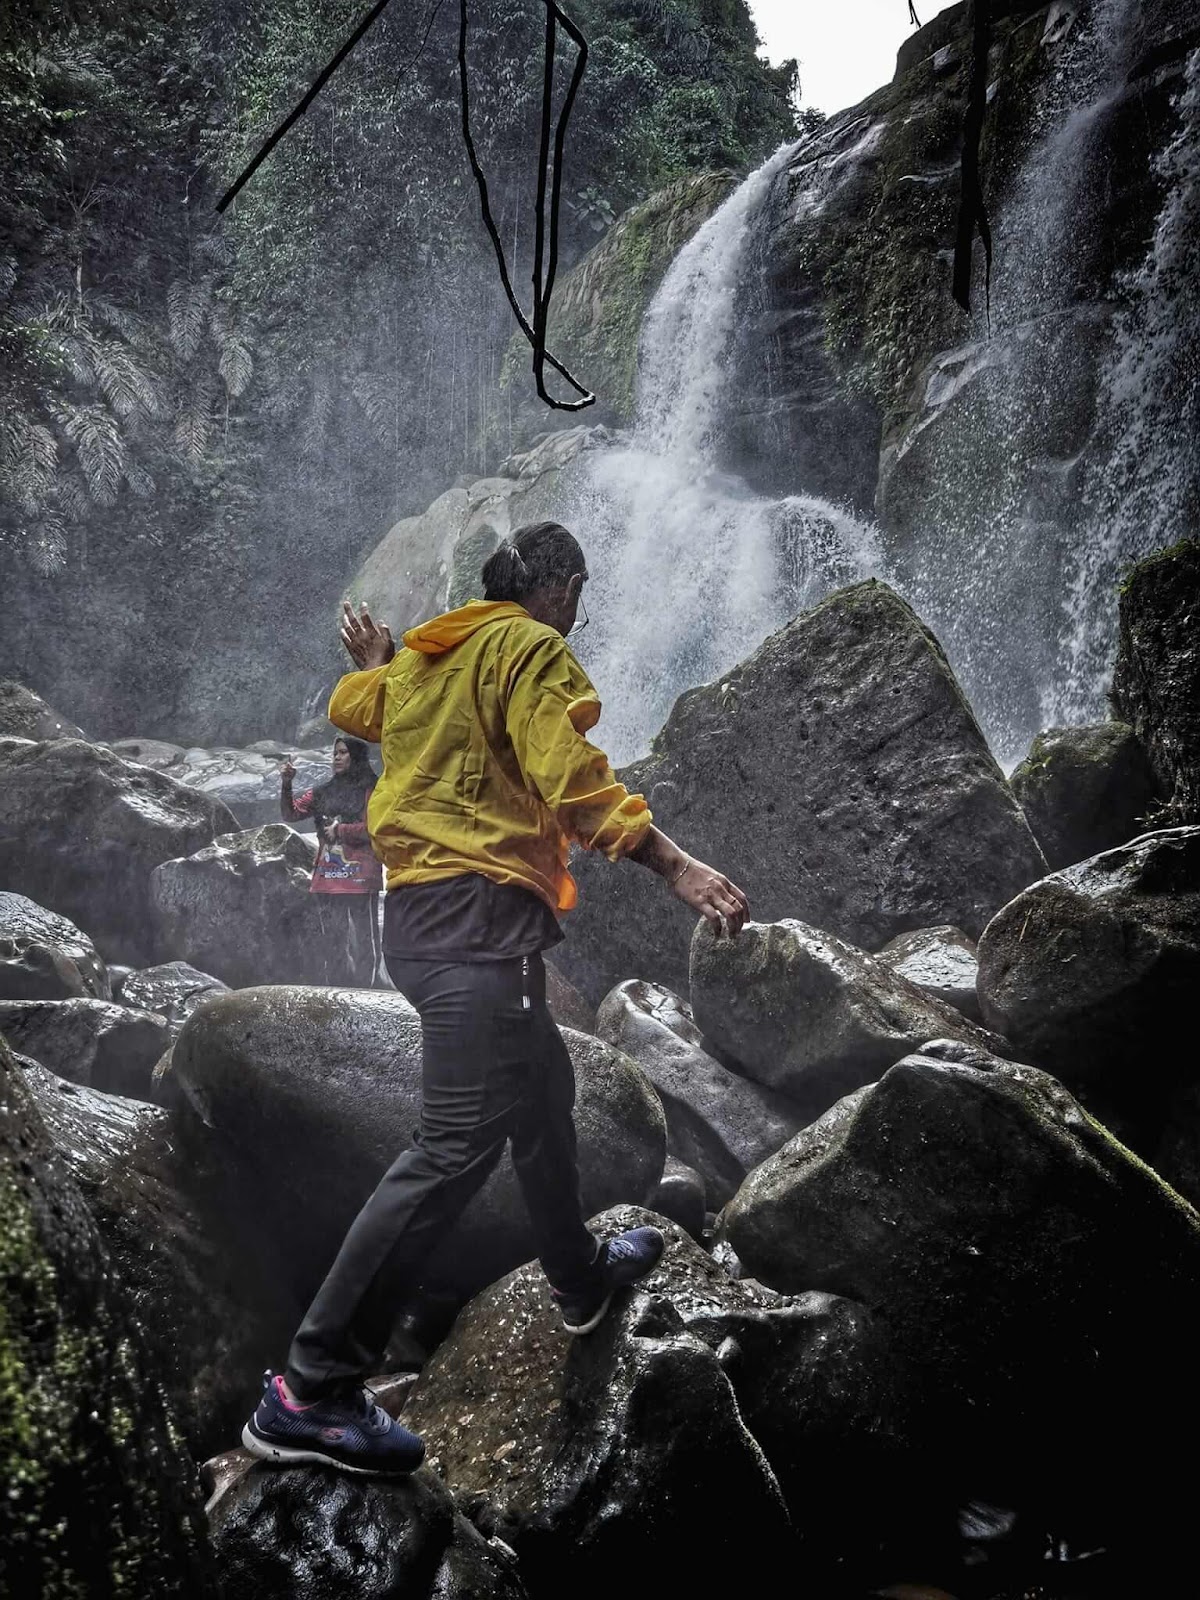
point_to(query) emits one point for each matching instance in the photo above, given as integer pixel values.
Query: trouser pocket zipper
(525, 1005)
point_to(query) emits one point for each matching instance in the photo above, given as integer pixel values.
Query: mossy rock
(99, 1497)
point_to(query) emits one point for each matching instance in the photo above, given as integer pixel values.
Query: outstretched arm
(700, 886)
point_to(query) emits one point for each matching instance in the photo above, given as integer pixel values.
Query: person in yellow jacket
(488, 778)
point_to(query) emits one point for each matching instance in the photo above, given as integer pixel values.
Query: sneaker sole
(283, 1455)
(593, 1321)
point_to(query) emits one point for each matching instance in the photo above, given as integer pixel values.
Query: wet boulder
(682, 1196)
(941, 962)
(93, 1042)
(567, 1006)
(719, 1123)
(1156, 680)
(1093, 971)
(808, 1014)
(81, 831)
(201, 1299)
(241, 908)
(838, 776)
(304, 1097)
(247, 781)
(44, 956)
(1039, 1282)
(25, 715)
(1084, 790)
(172, 991)
(99, 1495)
(599, 1454)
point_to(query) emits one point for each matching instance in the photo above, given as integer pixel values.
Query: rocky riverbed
(925, 1142)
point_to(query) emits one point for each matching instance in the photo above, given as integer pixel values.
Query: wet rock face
(717, 1122)
(92, 1042)
(1156, 682)
(1012, 1247)
(941, 962)
(838, 776)
(317, 1534)
(44, 956)
(1084, 790)
(25, 715)
(598, 1454)
(186, 1276)
(82, 830)
(172, 991)
(241, 909)
(247, 781)
(99, 1494)
(1093, 971)
(810, 1015)
(304, 1097)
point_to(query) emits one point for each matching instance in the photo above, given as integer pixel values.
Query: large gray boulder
(940, 961)
(323, 1535)
(1084, 790)
(25, 715)
(838, 776)
(1040, 1282)
(717, 1122)
(247, 781)
(1156, 681)
(808, 1014)
(93, 1042)
(241, 909)
(99, 1495)
(81, 831)
(172, 991)
(200, 1292)
(1094, 970)
(598, 1455)
(305, 1096)
(44, 956)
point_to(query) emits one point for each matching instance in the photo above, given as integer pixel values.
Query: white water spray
(691, 569)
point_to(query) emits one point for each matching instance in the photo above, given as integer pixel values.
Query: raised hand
(369, 643)
(288, 770)
(713, 895)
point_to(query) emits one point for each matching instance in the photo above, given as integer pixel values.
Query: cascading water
(691, 569)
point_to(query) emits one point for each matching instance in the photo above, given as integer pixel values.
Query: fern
(28, 460)
(187, 308)
(236, 363)
(46, 545)
(139, 480)
(193, 429)
(130, 390)
(312, 429)
(99, 448)
(376, 394)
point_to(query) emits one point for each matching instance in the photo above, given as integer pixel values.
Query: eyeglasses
(577, 626)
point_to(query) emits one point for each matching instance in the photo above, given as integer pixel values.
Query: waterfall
(690, 569)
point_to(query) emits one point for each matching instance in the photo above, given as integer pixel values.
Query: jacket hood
(442, 633)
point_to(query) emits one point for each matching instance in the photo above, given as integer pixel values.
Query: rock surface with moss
(99, 1496)
(1084, 790)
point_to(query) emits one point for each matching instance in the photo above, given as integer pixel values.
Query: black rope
(545, 257)
(912, 12)
(972, 209)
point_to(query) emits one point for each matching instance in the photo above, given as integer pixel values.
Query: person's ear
(574, 585)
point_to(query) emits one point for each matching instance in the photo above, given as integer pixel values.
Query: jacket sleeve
(295, 810)
(550, 706)
(356, 704)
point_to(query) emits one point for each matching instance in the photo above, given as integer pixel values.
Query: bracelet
(688, 863)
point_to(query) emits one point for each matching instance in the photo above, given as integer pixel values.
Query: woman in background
(346, 864)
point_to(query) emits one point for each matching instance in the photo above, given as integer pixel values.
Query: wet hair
(541, 555)
(345, 794)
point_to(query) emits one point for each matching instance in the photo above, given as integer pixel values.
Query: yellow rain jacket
(486, 768)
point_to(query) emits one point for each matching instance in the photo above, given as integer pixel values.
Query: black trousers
(494, 1070)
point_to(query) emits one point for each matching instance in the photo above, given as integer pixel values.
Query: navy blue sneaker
(351, 1433)
(621, 1261)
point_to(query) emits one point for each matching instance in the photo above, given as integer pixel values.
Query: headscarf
(344, 797)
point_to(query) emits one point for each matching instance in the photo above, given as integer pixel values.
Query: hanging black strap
(972, 211)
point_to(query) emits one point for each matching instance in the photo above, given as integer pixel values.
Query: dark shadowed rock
(25, 715)
(1095, 969)
(200, 1295)
(317, 1534)
(93, 1042)
(1156, 681)
(681, 1196)
(838, 775)
(1084, 790)
(172, 991)
(941, 962)
(81, 830)
(717, 1122)
(1014, 1249)
(304, 1097)
(44, 956)
(810, 1015)
(99, 1496)
(599, 1454)
(241, 908)
(567, 1006)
